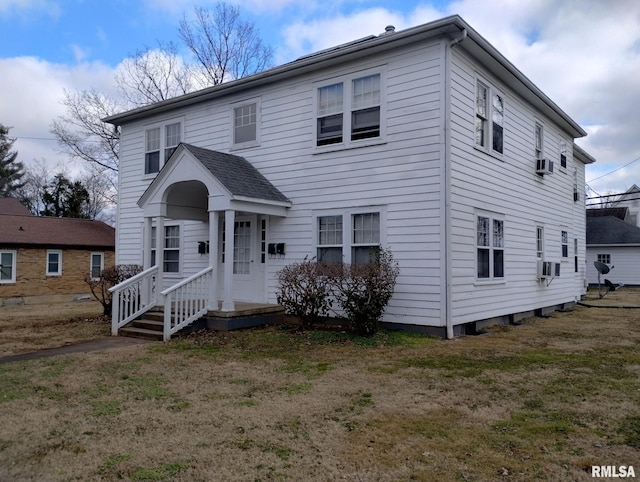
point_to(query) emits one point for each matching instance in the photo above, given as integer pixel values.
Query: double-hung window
(160, 142)
(245, 125)
(565, 243)
(539, 242)
(96, 265)
(489, 121)
(352, 237)
(490, 248)
(539, 140)
(7, 266)
(171, 258)
(329, 248)
(54, 263)
(350, 110)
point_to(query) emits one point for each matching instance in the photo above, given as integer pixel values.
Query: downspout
(447, 180)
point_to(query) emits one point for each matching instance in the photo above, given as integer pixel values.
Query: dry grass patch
(541, 401)
(25, 328)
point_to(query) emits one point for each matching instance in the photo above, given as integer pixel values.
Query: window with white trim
(54, 263)
(489, 120)
(564, 238)
(539, 242)
(366, 237)
(604, 258)
(490, 248)
(575, 255)
(7, 266)
(329, 248)
(96, 265)
(171, 259)
(539, 141)
(160, 139)
(245, 125)
(350, 110)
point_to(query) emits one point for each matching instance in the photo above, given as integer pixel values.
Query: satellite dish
(601, 267)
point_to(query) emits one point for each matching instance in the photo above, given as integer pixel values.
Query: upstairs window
(539, 141)
(490, 248)
(245, 125)
(160, 139)
(489, 120)
(565, 244)
(365, 105)
(330, 105)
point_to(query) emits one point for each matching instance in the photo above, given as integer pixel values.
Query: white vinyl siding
(54, 263)
(7, 266)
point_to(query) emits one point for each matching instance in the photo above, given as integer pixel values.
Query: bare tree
(101, 192)
(82, 135)
(224, 46)
(153, 75)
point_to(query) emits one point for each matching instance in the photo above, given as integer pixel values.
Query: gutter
(447, 181)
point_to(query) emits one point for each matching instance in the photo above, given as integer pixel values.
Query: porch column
(229, 231)
(213, 259)
(159, 253)
(146, 255)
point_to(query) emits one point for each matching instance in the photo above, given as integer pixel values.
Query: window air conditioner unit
(544, 269)
(544, 166)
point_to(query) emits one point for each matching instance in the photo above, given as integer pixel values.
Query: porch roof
(237, 174)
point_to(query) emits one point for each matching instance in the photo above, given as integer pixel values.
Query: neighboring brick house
(46, 258)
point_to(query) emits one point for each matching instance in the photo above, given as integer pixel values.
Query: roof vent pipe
(388, 30)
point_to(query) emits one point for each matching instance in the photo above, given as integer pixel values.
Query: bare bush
(109, 278)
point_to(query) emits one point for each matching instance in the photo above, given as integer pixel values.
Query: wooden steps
(148, 327)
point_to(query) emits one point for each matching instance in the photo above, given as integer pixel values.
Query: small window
(330, 106)
(329, 239)
(152, 151)
(7, 266)
(97, 265)
(497, 117)
(490, 248)
(54, 263)
(565, 244)
(563, 154)
(604, 258)
(245, 121)
(489, 119)
(366, 237)
(539, 242)
(539, 141)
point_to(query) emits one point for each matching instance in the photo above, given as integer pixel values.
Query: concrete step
(149, 324)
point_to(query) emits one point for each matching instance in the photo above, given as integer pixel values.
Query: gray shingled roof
(620, 213)
(237, 174)
(610, 230)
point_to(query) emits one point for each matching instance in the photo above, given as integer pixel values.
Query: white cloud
(36, 92)
(25, 8)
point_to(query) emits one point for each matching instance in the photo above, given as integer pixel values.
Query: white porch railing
(186, 301)
(133, 297)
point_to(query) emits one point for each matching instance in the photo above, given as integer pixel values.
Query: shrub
(363, 291)
(303, 291)
(109, 278)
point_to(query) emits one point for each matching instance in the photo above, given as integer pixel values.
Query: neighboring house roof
(620, 213)
(632, 193)
(609, 230)
(10, 205)
(453, 28)
(41, 231)
(237, 174)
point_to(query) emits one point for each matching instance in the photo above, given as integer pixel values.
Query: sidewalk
(82, 347)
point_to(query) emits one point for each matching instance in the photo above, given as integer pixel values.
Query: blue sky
(584, 54)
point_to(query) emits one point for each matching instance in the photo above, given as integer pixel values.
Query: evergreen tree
(63, 198)
(11, 171)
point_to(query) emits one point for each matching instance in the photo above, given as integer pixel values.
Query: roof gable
(19, 230)
(10, 205)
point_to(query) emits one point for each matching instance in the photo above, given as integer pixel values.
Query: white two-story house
(426, 141)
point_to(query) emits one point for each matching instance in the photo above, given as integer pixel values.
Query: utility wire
(617, 169)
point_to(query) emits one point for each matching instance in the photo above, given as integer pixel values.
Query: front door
(244, 258)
